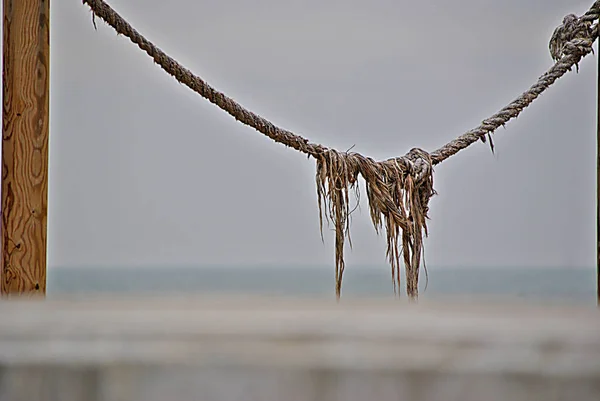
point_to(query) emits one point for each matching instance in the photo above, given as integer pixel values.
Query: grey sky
(143, 171)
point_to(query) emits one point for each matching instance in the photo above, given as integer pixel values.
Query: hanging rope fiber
(398, 189)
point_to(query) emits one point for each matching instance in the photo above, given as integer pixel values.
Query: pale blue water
(569, 285)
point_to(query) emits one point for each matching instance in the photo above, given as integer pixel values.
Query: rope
(198, 85)
(569, 44)
(398, 189)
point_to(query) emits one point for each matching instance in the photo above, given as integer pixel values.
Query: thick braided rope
(399, 189)
(568, 50)
(195, 83)
(569, 44)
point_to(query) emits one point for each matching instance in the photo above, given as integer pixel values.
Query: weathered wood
(242, 349)
(25, 126)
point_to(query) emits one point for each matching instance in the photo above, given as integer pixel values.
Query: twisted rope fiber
(570, 42)
(398, 189)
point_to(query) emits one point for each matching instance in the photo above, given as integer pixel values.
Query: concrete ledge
(282, 349)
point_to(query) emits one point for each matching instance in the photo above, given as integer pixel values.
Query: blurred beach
(537, 285)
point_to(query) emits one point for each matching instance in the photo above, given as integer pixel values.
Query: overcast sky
(145, 172)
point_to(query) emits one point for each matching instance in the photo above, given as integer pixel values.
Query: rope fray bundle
(398, 189)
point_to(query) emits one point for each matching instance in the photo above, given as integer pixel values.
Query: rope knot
(573, 36)
(421, 163)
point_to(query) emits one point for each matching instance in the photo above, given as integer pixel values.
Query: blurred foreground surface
(240, 348)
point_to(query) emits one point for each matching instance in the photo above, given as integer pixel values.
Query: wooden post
(25, 126)
(598, 185)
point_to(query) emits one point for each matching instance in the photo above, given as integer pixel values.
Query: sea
(539, 284)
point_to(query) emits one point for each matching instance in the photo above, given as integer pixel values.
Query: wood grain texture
(25, 127)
